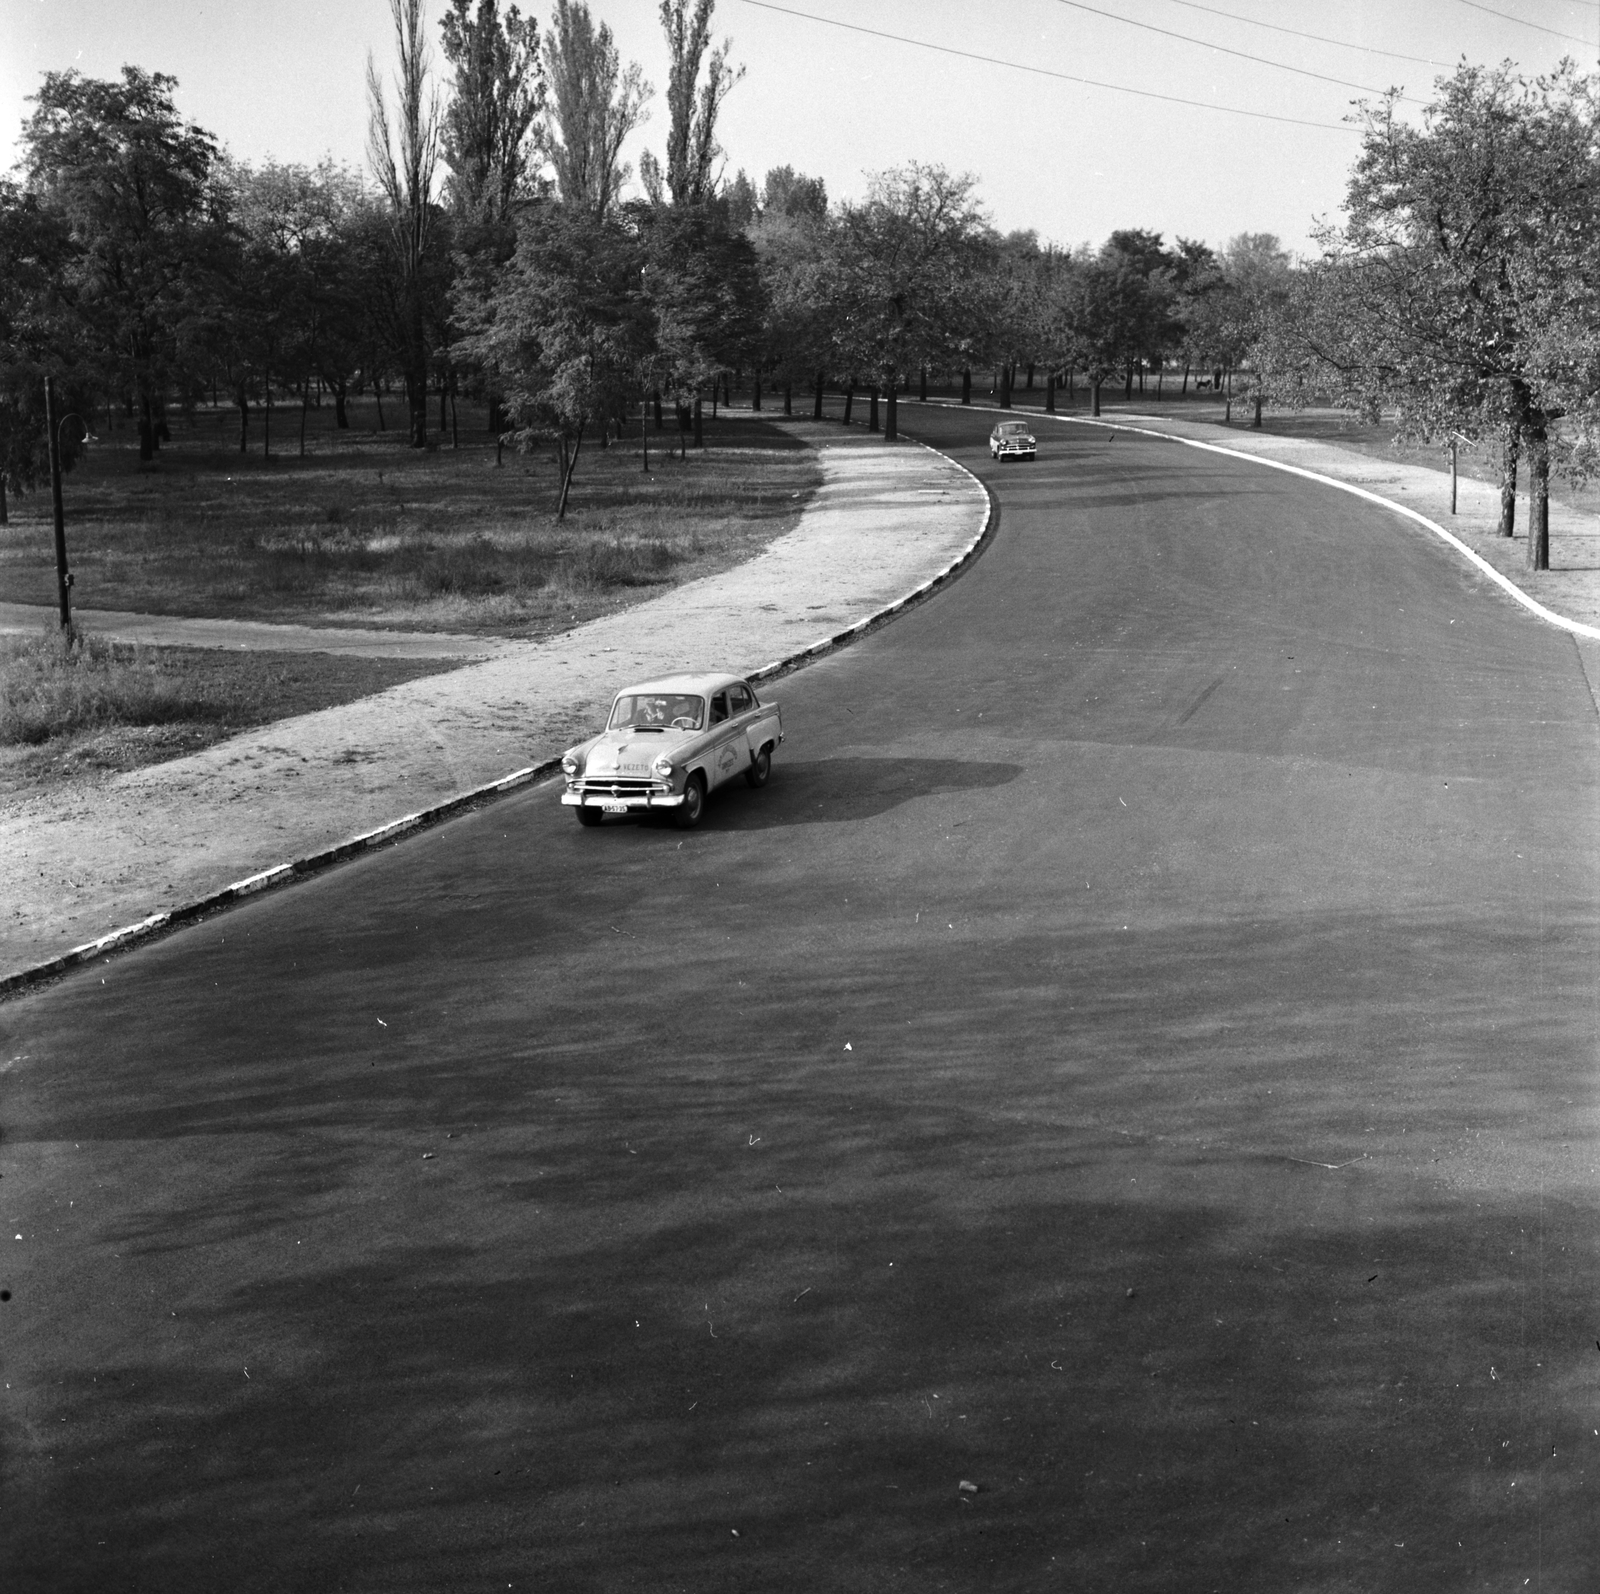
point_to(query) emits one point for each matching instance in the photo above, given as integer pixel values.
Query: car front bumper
(621, 802)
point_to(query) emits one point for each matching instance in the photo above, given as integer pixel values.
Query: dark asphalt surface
(1137, 1056)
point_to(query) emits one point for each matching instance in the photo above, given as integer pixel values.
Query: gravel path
(257, 636)
(79, 863)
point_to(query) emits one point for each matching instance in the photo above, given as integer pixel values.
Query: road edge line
(158, 924)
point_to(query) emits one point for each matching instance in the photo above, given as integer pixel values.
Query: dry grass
(73, 705)
(365, 530)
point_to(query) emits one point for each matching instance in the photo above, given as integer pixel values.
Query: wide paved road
(1138, 1056)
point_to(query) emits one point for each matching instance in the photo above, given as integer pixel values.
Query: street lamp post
(53, 424)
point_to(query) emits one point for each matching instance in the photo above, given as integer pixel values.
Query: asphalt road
(1137, 1057)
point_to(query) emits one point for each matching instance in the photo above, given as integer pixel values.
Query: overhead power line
(1207, 44)
(1538, 27)
(1041, 71)
(1300, 33)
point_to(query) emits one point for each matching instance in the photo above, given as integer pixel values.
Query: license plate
(613, 808)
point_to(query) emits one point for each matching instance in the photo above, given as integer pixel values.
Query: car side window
(719, 708)
(739, 699)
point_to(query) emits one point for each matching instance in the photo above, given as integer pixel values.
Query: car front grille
(619, 786)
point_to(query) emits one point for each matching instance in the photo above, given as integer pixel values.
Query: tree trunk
(305, 404)
(5, 518)
(922, 385)
(966, 385)
(1072, 385)
(1161, 379)
(713, 408)
(655, 399)
(891, 427)
(683, 430)
(1256, 423)
(849, 400)
(244, 422)
(1141, 379)
(1005, 387)
(1050, 394)
(341, 420)
(1539, 502)
(566, 477)
(755, 392)
(1127, 385)
(816, 408)
(266, 416)
(147, 433)
(699, 423)
(788, 398)
(872, 409)
(1183, 391)
(1030, 377)
(1508, 483)
(444, 419)
(455, 420)
(1094, 395)
(644, 432)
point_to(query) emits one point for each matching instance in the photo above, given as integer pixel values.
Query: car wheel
(694, 803)
(760, 769)
(588, 817)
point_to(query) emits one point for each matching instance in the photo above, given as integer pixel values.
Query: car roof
(1011, 426)
(699, 685)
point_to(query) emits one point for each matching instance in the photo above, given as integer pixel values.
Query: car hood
(631, 752)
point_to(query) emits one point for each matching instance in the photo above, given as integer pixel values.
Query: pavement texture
(1117, 1112)
(76, 865)
(1571, 588)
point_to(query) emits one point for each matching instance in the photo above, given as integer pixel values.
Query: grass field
(75, 706)
(363, 530)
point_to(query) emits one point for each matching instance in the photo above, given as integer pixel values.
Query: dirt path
(171, 631)
(77, 864)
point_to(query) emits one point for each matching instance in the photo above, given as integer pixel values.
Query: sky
(1073, 125)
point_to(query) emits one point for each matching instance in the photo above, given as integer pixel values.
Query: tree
(795, 255)
(405, 160)
(1468, 240)
(40, 334)
(693, 104)
(705, 286)
(567, 327)
(1103, 312)
(497, 94)
(595, 103)
(131, 182)
(786, 192)
(907, 258)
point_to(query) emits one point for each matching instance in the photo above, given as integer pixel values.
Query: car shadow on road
(833, 791)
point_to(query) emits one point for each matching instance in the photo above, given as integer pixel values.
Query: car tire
(588, 817)
(760, 770)
(694, 803)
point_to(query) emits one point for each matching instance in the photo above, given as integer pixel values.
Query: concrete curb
(396, 829)
(1505, 583)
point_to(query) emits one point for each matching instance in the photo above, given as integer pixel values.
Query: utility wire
(1505, 16)
(1041, 71)
(1243, 55)
(1300, 33)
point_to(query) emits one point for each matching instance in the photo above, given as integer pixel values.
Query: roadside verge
(166, 844)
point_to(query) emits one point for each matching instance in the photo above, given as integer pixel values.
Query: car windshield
(1013, 429)
(655, 711)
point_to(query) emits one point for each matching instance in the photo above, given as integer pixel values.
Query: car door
(726, 735)
(747, 715)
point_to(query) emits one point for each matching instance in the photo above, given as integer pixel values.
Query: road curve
(1136, 1058)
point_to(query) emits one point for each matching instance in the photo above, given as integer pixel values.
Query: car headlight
(571, 765)
(662, 768)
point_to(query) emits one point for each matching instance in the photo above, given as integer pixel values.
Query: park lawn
(81, 708)
(362, 530)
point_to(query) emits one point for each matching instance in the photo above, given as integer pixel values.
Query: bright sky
(1067, 158)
